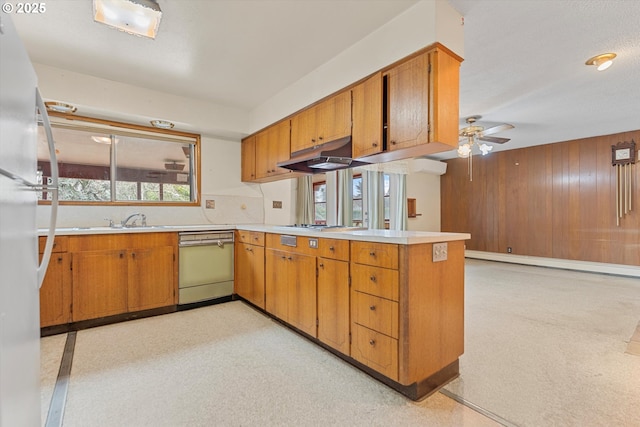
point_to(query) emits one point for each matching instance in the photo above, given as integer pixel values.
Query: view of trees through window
(320, 200)
(145, 168)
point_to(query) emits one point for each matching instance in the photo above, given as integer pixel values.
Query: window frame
(101, 123)
(319, 184)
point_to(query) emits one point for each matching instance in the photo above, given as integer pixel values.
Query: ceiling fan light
(484, 149)
(137, 17)
(464, 150)
(602, 62)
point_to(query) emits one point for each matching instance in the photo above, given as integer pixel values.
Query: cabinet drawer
(60, 244)
(252, 237)
(375, 313)
(375, 350)
(377, 254)
(334, 249)
(380, 282)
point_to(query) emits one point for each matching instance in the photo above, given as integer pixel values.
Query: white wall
(425, 188)
(419, 26)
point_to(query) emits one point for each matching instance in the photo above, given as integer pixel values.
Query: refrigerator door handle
(42, 269)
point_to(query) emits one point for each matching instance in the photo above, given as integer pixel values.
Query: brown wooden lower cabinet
(55, 292)
(249, 273)
(401, 318)
(333, 303)
(105, 275)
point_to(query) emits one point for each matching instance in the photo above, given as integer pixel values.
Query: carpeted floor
(542, 347)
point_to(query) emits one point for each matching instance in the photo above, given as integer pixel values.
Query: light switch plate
(440, 252)
(277, 204)
(210, 204)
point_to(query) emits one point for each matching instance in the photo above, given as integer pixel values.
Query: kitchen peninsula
(389, 302)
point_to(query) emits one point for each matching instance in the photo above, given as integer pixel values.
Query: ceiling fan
(473, 133)
(480, 133)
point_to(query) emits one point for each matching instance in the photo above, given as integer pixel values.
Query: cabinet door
(248, 159)
(367, 117)
(272, 146)
(301, 273)
(333, 118)
(55, 293)
(276, 283)
(303, 130)
(249, 278)
(151, 278)
(408, 103)
(333, 303)
(99, 283)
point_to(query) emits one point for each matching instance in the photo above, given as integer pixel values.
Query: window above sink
(110, 163)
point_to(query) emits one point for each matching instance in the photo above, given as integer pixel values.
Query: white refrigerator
(20, 275)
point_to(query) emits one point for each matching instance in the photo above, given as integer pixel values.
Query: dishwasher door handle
(219, 243)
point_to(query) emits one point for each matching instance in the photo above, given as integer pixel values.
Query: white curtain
(375, 199)
(398, 215)
(345, 197)
(304, 200)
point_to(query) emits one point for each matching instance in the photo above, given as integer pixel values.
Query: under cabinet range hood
(330, 156)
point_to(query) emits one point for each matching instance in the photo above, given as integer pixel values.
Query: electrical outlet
(509, 250)
(440, 252)
(277, 204)
(210, 204)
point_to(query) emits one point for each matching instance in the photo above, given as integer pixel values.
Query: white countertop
(364, 235)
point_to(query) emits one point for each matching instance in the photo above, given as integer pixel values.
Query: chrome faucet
(143, 217)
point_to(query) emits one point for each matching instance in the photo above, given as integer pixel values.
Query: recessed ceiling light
(138, 17)
(60, 107)
(161, 124)
(602, 62)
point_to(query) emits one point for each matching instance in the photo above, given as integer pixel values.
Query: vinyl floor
(542, 347)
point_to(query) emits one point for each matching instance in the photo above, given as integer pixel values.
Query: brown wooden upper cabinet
(272, 146)
(325, 122)
(407, 109)
(423, 101)
(367, 132)
(248, 159)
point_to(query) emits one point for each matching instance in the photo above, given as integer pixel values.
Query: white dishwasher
(205, 266)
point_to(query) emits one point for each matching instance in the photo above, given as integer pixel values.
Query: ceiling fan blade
(494, 139)
(496, 129)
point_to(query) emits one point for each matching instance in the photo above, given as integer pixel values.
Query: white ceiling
(524, 60)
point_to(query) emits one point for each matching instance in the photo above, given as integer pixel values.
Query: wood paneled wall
(555, 201)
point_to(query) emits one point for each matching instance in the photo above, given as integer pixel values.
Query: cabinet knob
(373, 279)
(372, 307)
(375, 144)
(372, 253)
(290, 258)
(284, 257)
(331, 248)
(393, 143)
(320, 138)
(313, 140)
(121, 255)
(59, 259)
(321, 265)
(372, 342)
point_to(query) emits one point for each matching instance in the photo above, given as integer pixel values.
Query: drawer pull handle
(372, 307)
(331, 248)
(249, 249)
(375, 144)
(321, 265)
(290, 258)
(284, 257)
(372, 253)
(372, 342)
(373, 279)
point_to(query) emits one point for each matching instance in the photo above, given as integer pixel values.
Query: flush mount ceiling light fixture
(161, 124)
(103, 139)
(138, 17)
(60, 107)
(602, 62)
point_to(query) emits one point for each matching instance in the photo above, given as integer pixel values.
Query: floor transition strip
(59, 397)
(486, 413)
